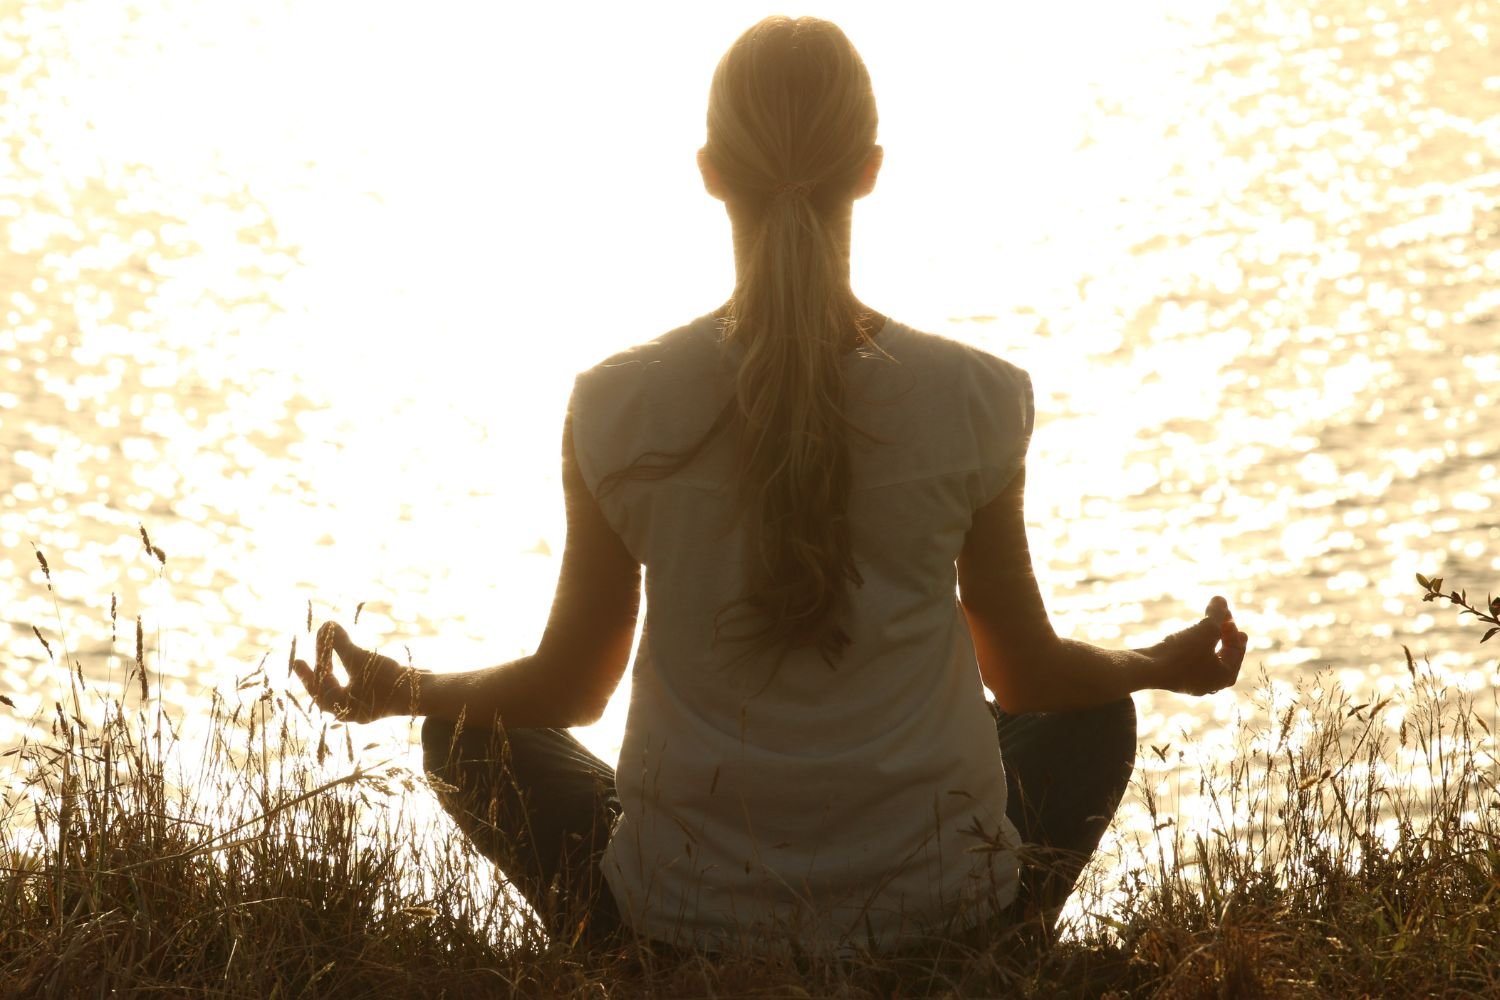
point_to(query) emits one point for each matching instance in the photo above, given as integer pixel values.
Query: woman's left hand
(1202, 658)
(378, 686)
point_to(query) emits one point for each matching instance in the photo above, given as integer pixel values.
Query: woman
(808, 753)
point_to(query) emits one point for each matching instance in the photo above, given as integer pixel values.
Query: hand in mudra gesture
(1205, 657)
(378, 686)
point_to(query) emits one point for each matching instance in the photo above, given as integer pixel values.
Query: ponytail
(791, 125)
(791, 129)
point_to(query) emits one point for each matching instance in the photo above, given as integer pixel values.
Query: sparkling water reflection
(303, 292)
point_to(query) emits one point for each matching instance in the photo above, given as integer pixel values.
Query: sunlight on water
(302, 288)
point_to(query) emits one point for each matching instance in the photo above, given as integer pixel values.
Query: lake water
(302, 287)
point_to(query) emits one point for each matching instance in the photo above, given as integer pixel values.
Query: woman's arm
(566, 682)
(1029, 668)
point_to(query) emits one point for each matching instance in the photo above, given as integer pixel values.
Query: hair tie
(792, 190)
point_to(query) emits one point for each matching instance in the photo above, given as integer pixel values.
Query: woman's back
(808, 748)
(750, 781)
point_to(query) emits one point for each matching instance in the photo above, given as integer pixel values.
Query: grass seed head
(45, 644)
(140, 657)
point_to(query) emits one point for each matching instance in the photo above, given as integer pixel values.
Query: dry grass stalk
(1350, 847)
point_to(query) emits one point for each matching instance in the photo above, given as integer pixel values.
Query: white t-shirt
(852, 805)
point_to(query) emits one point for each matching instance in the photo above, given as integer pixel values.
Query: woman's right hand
(378, 686)
(1202, 658)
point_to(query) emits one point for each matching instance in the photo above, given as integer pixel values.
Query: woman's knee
(1116, 736)
(1109, 729)
(449, 747)
(438, 738)
(1114, 726)
(1118, 718)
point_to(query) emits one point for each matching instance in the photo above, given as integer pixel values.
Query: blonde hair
(791, 129)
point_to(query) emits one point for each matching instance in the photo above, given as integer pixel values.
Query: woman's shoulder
(694, 340)
(959, 360)
(678, 370)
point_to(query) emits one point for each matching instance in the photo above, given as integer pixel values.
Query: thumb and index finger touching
(318, 679)
(1218, 610)
(1218, 617)
(333, 639)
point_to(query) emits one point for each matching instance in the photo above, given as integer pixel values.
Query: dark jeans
(540, 806)
(1065, 773)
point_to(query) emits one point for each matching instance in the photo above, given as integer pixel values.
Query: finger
(1233, 653)
(1218, 610)
(1228, 632)
(308, 678)
(349, 654)
(316, 684)
(1204, 632)
(324, 660)
(326, 692)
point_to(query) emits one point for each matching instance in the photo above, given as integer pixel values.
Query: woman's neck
(840, 224)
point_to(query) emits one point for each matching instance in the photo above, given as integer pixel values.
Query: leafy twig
(1460, 598)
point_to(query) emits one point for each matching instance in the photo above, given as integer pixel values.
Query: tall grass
(1347, 848)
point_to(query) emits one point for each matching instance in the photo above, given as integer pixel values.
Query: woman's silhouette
(808, 753)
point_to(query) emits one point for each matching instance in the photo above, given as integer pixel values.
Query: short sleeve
(1004, 412)
(653, 399)
(604, 412)
(581, 416)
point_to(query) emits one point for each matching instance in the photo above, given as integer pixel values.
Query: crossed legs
(540, 806)
(1066, 772)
